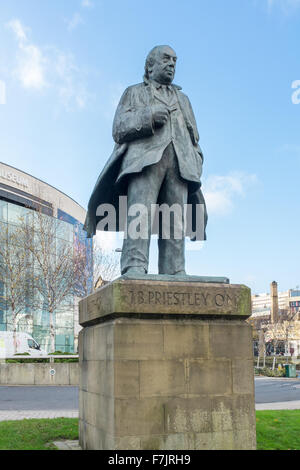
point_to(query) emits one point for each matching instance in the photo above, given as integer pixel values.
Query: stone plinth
(166, 365)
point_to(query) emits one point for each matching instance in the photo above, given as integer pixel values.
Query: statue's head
(161, 64)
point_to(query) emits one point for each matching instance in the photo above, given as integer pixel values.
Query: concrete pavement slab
(285, 405)
(17, 415)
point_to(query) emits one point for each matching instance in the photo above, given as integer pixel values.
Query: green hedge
(269, 372)
(279, 360)
(30, 359)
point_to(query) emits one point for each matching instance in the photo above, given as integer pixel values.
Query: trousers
(160, 183)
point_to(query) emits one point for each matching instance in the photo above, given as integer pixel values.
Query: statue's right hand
(160, 114)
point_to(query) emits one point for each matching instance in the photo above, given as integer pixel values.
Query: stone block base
(166, 379)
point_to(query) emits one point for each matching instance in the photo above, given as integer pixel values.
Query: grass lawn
(276, 430)
(35, 434)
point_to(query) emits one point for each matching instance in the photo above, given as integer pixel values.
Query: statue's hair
(151, 59)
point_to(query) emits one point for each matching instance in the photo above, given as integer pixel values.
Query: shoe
(135, 271)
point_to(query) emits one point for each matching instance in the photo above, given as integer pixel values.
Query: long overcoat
(132, 132)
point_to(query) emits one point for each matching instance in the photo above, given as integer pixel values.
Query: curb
(284, 405)
(18, 415)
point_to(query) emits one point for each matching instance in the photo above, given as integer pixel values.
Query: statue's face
(163, 70)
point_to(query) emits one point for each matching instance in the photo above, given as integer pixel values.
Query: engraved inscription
(181, 299)
(165, 298)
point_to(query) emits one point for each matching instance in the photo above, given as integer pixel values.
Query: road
(44, 402)
(17, 403)
(38, 398)
(273, 390)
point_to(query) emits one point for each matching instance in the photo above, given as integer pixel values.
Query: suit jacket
(135, 140)
(133, 123)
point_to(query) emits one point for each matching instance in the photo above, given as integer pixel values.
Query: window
(17, 214)
(3, 211)
(32, 344)
(295, 293)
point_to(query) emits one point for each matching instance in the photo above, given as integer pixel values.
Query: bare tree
(15, 274)
(261, 346)
(106, 264)
(50, 244)
(92, 262)
(45, 263)
(275, 332)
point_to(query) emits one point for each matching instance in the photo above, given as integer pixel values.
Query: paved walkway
(48, 414)
(284, 405)
(67, 445)
(12, 415)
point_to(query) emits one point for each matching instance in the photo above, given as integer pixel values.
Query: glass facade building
(20, 196)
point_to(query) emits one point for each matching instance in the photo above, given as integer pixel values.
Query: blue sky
(66, 63)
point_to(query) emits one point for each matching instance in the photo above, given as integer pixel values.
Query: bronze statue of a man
(157, 160)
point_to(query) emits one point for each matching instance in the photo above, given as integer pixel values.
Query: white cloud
(38, 68)
(220, 192)
(31, 64)
(87, 4)
(18, 29)
(75, 21)
(70, 89)
(31, 67)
